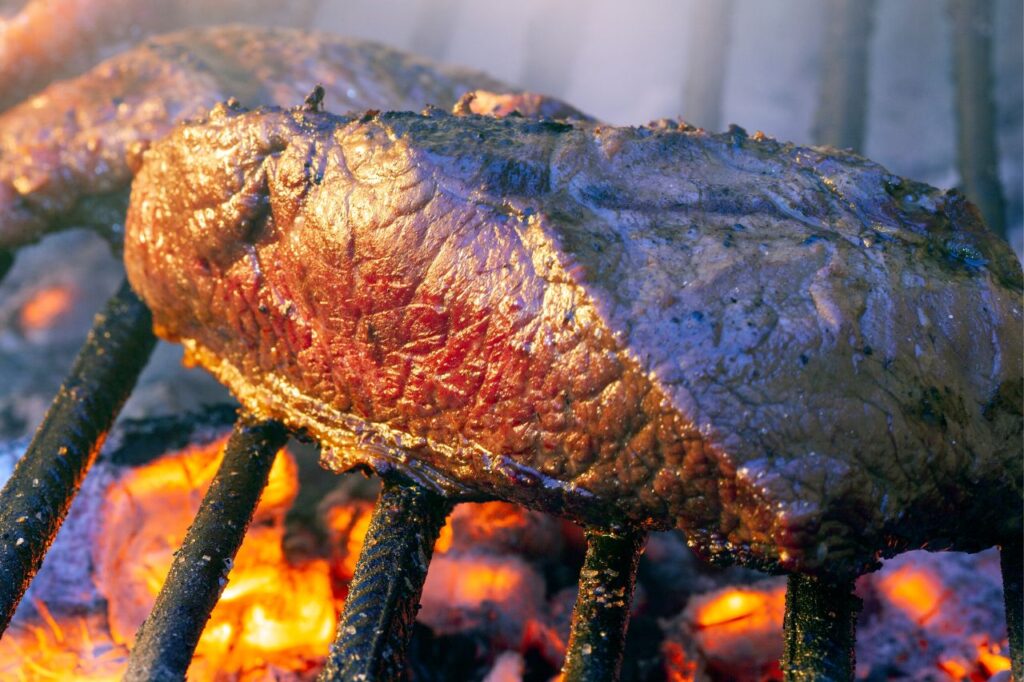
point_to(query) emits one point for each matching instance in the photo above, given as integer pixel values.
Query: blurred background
(880, 76)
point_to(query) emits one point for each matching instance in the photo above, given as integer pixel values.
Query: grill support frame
(597, 637)
(37, 497)
(819, 628)
(6, 262)
(167, 639)
(376, 624)
(1011, 560)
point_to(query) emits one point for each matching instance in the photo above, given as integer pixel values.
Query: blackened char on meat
(800, 359)
(63, 153)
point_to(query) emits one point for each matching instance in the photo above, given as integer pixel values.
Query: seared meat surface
(798, 358)
(43, 40)
(63, 153)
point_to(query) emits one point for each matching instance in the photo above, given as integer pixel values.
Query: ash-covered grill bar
(383, 597)
(597, 639)
(1012, 564)
(820, 630)
(167, 639)
(36, 499)
(6, 261)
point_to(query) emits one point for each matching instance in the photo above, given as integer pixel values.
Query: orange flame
(271, 615)
(45, 307)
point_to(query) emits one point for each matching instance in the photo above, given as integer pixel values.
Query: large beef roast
(798, 358)
(64, 153)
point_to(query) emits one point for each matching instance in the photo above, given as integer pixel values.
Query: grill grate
(168, 637)
(384, 594)
(36, 499)
(377, 621)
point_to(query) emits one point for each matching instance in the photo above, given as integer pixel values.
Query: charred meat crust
(801, 360)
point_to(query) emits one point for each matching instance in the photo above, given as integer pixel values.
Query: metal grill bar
(167, 639)
(36, 499)
(820, 630)
(1011, 557)
(384, 594)
(599, 620)
(6, 261)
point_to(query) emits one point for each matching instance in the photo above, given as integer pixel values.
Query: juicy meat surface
(43, 40)
(64, 154)
(798, 358)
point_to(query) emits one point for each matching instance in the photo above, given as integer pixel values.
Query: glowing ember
(490, 594)
(272, 615)
(991, 659)
(77, 650)
(678, 666)
(474, 580)
(955, 668)
(739, 628)
(734, 605)
(444, 539)
(914, 590)
(275, 619)
(45, 307)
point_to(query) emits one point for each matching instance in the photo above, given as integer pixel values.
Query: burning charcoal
(501, 527)
(574, 318)
(925, 613)
(80, 614)
(66, 151)
(549, 634)
(735, 632)
(132, 558)
(925, 617)
(474, 592)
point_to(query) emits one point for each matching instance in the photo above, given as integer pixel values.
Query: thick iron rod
(841, 117)
(976, 122)
(36, 499)
(1012, 561)
(820, 630)
(167, 639)
(597, 638)
(6, 261)
(384, 594)
(710, 35)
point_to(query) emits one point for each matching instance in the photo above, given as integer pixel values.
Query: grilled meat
(49, 39)
(63, 153)
(800, 359)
